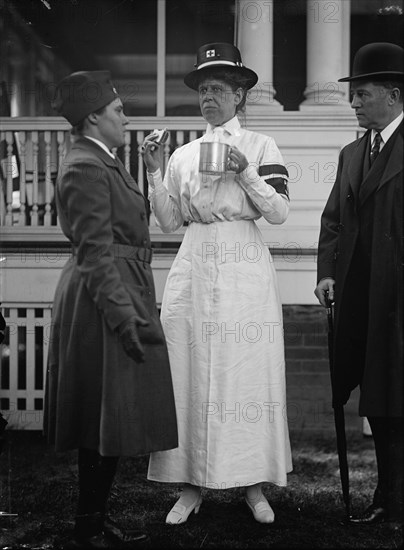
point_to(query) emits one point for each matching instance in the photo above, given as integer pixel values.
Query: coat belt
(119, 250)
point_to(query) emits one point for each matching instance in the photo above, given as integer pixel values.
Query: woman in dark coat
(109, 383)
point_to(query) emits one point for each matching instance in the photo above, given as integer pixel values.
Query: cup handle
(228, 161)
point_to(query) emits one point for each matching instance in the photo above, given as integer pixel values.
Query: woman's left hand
(237, 160)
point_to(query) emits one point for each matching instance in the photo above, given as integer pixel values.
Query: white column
(328, 32)
(346, 47)
(161, 58)
(254, 39)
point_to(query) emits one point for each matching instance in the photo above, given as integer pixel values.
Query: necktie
(376, 148)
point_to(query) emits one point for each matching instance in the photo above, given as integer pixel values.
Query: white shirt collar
(389, 130)
(232, 126)
(102, 145)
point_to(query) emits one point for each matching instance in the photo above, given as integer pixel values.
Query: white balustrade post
(23, 194)
(48, 178)
(140, 177)
(126, 150)
(9, 179)
(60, 138)
(35, 181)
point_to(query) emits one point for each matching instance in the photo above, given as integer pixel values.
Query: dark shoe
(395, 515)
(126, 537)
(100, 542)
(88, 525)
(373, 514)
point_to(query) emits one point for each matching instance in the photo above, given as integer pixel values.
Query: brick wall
(307, 371)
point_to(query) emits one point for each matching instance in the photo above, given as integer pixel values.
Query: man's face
(111, 124)
(217, 101)
(371, 104)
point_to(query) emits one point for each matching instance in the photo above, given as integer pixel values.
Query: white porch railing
(33, 149)
(23, 365)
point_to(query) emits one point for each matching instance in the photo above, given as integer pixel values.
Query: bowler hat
(82, 93)
(219, 56)
(377, 60)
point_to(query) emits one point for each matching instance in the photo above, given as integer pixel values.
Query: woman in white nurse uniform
(221, 310)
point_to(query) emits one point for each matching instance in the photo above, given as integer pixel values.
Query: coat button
(349, 197)
(142, 216)
(145, 242)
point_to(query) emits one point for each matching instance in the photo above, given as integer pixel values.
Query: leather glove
(129, 336)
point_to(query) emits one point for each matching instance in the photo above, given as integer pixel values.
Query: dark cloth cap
(82, 93)
(377, 60)
(219, 56)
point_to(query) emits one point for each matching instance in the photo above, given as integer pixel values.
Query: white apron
(222, 319)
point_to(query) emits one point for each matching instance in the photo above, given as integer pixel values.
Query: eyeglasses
(214, 90)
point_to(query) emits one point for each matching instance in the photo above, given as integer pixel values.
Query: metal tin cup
(214, 157)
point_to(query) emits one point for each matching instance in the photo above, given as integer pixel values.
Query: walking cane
(339, 418)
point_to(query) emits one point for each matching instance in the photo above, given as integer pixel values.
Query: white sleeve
(265, 182)
(165, 201)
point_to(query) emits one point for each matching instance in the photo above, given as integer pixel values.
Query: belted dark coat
(97, 397)
(361, 247)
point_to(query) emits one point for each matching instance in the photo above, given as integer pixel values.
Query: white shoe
(262, 511)
(179, 513)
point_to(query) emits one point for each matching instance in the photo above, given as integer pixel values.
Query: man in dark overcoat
(360, 266)
(3, 421)
(109, 388)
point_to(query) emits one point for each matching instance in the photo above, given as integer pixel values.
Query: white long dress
(222, 318)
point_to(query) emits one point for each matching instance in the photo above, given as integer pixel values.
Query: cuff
(154, 178)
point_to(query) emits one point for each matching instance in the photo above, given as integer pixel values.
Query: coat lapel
(355, 170)
(115, 163)
(130, 182)
(387, 165)
(88, 145)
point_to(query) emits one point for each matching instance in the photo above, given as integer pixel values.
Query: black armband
(278, 177)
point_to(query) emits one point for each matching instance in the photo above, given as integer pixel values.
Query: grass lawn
(41, 487)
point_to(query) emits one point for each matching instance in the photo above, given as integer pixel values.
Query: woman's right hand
(151, 153)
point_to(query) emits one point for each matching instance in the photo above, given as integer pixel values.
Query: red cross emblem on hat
(211, 53)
